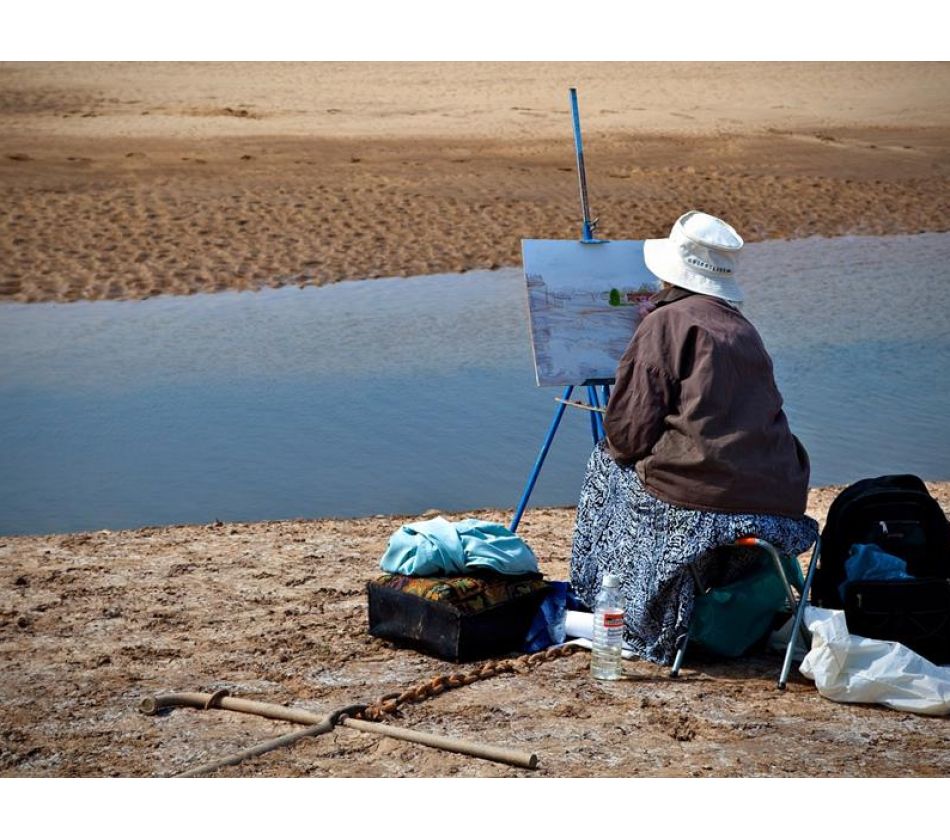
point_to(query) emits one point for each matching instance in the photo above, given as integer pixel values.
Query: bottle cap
(611, 581)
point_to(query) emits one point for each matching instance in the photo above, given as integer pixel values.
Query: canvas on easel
(584, 303)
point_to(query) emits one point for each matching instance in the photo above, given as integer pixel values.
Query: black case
(893, 511)
(915, 613)
(440, 629)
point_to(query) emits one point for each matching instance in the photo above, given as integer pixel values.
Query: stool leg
(799, 616)
(680, 653)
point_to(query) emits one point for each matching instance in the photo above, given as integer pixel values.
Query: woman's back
(696, 408)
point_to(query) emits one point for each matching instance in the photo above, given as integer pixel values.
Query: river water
(396, 396)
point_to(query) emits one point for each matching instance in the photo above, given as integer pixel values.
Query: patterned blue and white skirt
(623, 530)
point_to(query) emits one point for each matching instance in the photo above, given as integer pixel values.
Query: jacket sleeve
(642, 398)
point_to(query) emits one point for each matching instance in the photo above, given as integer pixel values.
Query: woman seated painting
(698, 450)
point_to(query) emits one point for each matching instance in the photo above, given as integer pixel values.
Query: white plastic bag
(852, 669)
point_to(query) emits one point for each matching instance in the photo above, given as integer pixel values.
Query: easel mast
(593, 405)
(588, 225)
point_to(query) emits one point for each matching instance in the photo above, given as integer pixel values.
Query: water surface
(402, 395)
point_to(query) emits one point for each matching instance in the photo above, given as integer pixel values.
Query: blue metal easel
(596, 403)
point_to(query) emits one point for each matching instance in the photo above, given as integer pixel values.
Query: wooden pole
(260, 749)
(195, 700)
(501, 754)
(153, 705)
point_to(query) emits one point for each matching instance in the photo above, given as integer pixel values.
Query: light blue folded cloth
(871, 562)
(437, 547)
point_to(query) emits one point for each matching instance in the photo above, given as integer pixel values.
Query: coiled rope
(389, 704)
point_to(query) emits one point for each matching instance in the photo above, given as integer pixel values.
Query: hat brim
(662, 258)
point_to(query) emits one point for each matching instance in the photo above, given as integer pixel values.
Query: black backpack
(898, 514)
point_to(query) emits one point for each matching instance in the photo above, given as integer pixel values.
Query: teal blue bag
(728, 620)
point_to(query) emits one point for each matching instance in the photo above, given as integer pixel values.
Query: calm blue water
(401, 395)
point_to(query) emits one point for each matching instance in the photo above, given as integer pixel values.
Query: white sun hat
(700, 254)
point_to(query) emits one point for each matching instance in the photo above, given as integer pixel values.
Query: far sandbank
(131, 180)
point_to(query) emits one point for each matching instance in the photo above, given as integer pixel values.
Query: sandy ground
(275, 611)
(130, 180)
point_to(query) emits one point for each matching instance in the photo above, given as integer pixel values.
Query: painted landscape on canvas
(584, 303)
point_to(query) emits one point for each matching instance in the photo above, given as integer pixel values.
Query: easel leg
(598, 418)
(591, 399)
(533, 478)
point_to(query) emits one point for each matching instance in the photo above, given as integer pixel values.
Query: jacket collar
(670, 295)
(675, 293)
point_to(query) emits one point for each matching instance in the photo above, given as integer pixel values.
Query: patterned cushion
(468, 594)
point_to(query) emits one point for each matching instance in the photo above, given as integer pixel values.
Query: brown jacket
(696, 409)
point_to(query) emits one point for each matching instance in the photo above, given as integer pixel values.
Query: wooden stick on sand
(318, 725)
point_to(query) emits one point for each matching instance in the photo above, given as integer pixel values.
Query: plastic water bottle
(605, 656)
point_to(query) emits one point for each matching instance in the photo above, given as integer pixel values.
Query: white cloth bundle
(852, 669)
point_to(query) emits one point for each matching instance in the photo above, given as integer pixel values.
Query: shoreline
(819, 499)
(303, 282)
